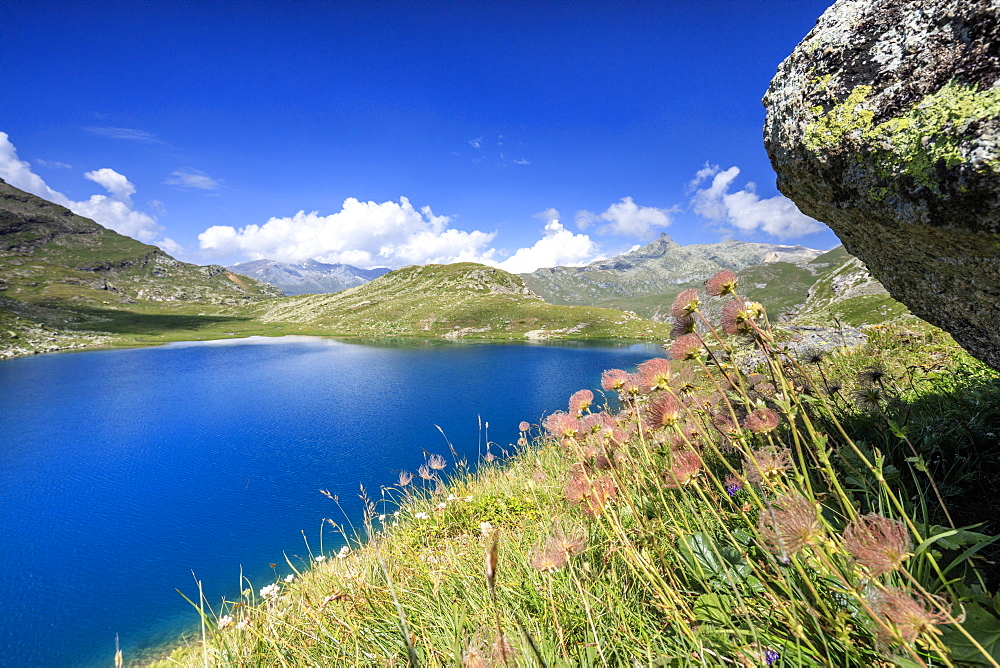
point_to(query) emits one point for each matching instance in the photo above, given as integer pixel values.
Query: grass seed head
(686, 467)
(906, 615)
(790, 523)
(685, 303)
(762, 421)
(723, 283)
(613, 379)
(580, 401)
(686, 347)
(655, 374)
(878, 543)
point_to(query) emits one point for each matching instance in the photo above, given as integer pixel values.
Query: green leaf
(982, 626)
(714, 609)
(697, 550)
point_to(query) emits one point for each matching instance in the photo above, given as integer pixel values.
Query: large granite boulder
(884, 123)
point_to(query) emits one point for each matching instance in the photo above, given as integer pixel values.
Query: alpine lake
(128, 477)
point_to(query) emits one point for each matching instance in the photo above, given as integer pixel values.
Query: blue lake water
(122, 473)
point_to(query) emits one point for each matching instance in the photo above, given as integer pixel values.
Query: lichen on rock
(884, 123)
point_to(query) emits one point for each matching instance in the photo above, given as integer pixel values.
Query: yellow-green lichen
(850, 116)
(933, 130)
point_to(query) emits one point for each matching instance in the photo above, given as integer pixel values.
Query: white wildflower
(320, 558)
(381, 518)
(442, 506)
(289, 577)
(269, 592)
(344, 551)
(225, 621)
(422, 516)
(243, 624)
(451, 497)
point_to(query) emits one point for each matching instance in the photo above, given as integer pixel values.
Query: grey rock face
(884, 123)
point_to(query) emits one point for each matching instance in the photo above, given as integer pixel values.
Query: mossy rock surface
(884, 123)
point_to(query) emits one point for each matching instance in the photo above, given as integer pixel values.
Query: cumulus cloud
(557, 247)
(626, 218)
(18, 173)
(115, 183)
(744, 210)
(113, 210)
(366, 234)
(192, 178)
(169, 245)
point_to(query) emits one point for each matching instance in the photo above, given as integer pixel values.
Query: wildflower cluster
(717, 513)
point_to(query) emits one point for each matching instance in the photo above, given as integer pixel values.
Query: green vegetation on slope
(825, 510)
(68, 282)
(462, 300)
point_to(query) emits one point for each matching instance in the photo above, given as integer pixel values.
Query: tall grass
(746, 504)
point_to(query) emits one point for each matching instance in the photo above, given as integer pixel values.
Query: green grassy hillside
(834, 510)
(68, 282)
(463, 300)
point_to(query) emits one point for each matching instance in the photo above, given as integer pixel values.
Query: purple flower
(733, 485)
(771, 656)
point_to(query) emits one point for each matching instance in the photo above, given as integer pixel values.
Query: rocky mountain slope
(68, 282)
(309, 277)
(463, 300)
(656, 268)
(49, 254)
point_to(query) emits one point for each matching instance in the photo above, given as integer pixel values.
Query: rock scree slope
(884, 123)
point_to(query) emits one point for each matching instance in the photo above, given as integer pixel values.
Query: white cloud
(521, 161)
(169, 245)
(115, 212)
(128, 134)
(626, 218)
(476, 143)
(54, 164)
(118, 216)
(558, 247)
(745, 210)
(548, 215)
(391, 234)
(366, 234)
(18, 174)
(193, 178)
(115, 183)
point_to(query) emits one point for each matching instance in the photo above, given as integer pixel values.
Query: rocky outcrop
(884, 123)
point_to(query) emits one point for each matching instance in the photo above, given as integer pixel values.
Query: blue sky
(388, 133)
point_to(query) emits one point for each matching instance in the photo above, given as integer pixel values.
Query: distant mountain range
(67, 282)
(310, 277)
(657, 268)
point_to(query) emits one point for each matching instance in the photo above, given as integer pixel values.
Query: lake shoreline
(125, 344)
